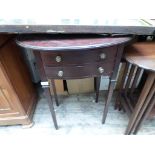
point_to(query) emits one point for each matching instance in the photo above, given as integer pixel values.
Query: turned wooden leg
(110, 92)
(140, 102)
(50, 103)
(54, 92)
(97, 81)
(146, 109)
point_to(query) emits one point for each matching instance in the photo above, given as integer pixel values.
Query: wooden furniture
(139, 56)
(76, 56)
(57, 24)
(17, 93)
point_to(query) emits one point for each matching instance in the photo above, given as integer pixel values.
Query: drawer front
(81, 71)
(78, 57)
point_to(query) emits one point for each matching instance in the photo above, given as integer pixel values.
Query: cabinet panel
(17, 93)
(18, 74)
(4, 100)
(8, 100)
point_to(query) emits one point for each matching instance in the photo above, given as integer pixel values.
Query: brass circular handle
(58, 58)
(102, 55)
(101, 70)
(60, 73)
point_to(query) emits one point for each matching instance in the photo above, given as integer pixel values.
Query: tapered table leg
(110, 92)
(98, 81)
(50, 103)
(54, 91)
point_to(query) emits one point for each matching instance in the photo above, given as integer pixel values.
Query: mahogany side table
(75, 57)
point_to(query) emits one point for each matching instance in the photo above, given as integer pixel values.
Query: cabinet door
(8, 99)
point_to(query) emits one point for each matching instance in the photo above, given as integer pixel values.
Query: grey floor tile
(77, 115)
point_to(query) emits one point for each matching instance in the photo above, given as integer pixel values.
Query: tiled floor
(77, 115)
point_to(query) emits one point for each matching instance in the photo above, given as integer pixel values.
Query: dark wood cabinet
(17, 92)
(74, 57)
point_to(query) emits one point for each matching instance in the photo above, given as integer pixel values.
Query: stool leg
(54, 91)
(97, 81)
(110, 92)
(129, 79)
(134, 84)
(147, 112)
(140, 102)
(50, 103)
(118, 98)
(127, 85)
(145, 109)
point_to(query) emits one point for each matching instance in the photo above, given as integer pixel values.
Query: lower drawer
(83, 71)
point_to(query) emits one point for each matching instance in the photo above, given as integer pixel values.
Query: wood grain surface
(141, 54)
(68, 42)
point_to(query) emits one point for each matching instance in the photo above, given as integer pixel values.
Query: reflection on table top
(141, 54)
(69, 42)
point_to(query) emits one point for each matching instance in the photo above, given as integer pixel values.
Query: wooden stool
(139, 57)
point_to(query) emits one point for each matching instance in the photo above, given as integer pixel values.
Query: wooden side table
(74, 57)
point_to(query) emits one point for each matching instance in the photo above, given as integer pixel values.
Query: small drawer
(59, 58)
(81, 71)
